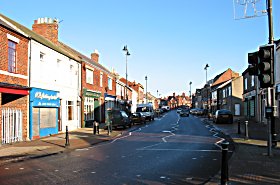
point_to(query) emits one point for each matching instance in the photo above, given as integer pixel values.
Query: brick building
(14, 90)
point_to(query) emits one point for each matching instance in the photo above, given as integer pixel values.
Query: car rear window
(224, 112)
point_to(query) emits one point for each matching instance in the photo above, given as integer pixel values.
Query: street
(169, 150)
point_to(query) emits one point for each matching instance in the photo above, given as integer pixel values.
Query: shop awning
(14, 91)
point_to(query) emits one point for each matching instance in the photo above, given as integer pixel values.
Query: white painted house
(54, 79)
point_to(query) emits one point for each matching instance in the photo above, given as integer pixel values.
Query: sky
(170, 41)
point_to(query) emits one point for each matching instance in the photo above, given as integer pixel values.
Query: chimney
(183, 94)
(174, 94)
(47, 27)
(95, 56)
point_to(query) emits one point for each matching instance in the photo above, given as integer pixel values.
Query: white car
(179, 110)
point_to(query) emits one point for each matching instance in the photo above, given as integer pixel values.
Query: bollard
(109, 129)
(238, 122)
(246, 130)
(224, 168)
(95, 127)
(67, 143)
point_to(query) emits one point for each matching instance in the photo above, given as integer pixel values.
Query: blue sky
(170, 41)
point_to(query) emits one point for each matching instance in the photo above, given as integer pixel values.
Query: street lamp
(205, 68)
(191, 93)
(126, 54)
(146, 78)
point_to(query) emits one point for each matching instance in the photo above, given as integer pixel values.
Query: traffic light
(266, 66)
(253, 61)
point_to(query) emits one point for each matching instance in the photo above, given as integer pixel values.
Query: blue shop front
(44, 108)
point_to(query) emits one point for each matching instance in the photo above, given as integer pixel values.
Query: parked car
(119, 118)
(147, 109)
(138, 117)
(197, 111)
(179, 110)
(165, 108)
(223, 116)
(184, 112)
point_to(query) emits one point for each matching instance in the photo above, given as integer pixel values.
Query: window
(229, 90)
(89, 76)
(42, 55)
(101, 79)
(70, 110)
(245, 83)
(253, 81)
(110, 84)
(11, 56)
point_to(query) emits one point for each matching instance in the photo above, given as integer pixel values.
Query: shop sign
(44, 98)
(92, 94)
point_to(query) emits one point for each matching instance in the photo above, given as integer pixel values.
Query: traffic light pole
(272, 97)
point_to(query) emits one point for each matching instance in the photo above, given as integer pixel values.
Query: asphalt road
(169, 150)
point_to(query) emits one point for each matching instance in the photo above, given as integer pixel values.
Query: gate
(11, 125)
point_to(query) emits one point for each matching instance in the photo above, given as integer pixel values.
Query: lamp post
(191, 93)
(126, 54)
(205, 68)
(146, 78)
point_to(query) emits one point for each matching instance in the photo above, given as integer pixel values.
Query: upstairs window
(110, 85)
(11, 56)
(89, 76)
(101, 79)
(253, 81)
(246, 84)
(42, 56)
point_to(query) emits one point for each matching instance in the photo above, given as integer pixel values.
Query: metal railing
(11, 125)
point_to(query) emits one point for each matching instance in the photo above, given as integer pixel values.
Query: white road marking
(162, 177)
(7, 168)
(82, 149)
(93, 172)
(21, 168)
(180, 150)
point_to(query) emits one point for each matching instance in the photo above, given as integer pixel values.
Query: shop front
(92, 108)
(44, 105)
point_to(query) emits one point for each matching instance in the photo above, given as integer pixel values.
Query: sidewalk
(55, 144)
(250, 163)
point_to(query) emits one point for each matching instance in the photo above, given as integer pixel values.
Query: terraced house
(14, 90)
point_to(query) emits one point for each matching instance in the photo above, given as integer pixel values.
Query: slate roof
(84, 58)
(37, 37)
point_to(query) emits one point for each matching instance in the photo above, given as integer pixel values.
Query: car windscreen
(142, 109)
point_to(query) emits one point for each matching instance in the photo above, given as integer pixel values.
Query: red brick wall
(47, 30)
(21, 58)
(20, 102)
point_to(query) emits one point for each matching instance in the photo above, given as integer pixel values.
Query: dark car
(119, 118)
(185, 112)
(138, 117)
(223, 116)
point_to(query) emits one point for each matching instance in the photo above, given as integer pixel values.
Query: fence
(11, 125)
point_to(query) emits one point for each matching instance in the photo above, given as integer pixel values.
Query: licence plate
(224, 116)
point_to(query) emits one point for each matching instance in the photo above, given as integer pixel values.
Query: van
(147, 110)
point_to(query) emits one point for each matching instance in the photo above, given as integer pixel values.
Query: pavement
(54, 144)
(249, 163)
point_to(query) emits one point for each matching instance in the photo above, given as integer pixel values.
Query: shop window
(47, 117)
(70, 110)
